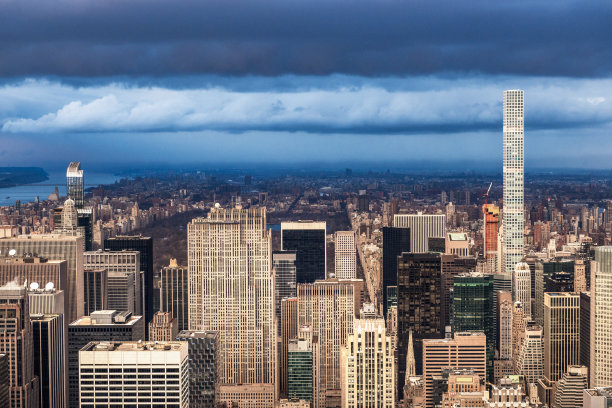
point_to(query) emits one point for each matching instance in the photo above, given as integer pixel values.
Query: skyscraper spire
(410, 362)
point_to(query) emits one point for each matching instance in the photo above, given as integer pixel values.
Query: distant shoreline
(17, 176)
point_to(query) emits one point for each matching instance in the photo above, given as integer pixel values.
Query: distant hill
(14, 176)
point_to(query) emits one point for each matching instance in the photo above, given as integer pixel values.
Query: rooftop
(134, 346)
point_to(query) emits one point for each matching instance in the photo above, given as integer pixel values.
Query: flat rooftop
(135, 346)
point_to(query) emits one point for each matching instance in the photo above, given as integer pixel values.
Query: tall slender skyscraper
(231, 289)
(521, 287)
(514, 184)
(74, 184)
(346, 255)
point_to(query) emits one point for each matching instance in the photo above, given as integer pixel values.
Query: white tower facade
(601, 323)
(514, 178)
(231, 289)
(346, 255)
(521, 287)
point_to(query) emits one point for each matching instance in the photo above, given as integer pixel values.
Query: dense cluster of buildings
(411, 301)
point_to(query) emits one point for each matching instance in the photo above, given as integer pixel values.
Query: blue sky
(296, 81)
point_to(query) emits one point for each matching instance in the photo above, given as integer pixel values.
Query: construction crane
(486, 194)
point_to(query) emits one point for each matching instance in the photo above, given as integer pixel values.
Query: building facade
(203, 366)
(163, 327)
(48, 345)
(601, 310)
(174, 293)
(309, 240)
(422, 227)
(345, 255)
(514, 183)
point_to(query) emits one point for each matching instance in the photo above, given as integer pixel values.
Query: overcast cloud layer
(344, 105)
(273, 37)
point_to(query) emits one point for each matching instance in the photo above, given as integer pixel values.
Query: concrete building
(530, 359)
(457, 243)
(504, 319)
(345, 255)
(561, 333)
(55, 247)
(368, 366)
(203, 366)
(521, 287)
(514, 182)
(102, 325)
(16, 343)
(124, 278)
(328, 306)
(174, 293)
(246, 395)
(4, 382)
(158, 373)
(568, 391)
(601, 310)
(463, 351)
(490, 233)
(231, 290)
(309, 240)
(96, 290)
(283, 263)
(597, 397)
(422, 227)
(163, 327)
(49, 349)
(586, 355)
(464, 389)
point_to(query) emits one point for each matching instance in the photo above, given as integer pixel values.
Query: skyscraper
(368, 366)
(48, 347)
(521, 287)
(288, 331)
(561, 333)
(395, 241)
(144, 245)
(74, 184)
(162, 368)
(328, 307)
(422, 227)
(96, 290)
(513, 168)
(283, 263)
(231, 290)
(60, 247)
(309, 240)
(570, 387)
(418, 306)
(490, 231)
(103, 325)
(473, 310)
(345, 255)
(203, 366)
(451, 266)
(174, 293)
(163, 327)
(463, 351)
(300, 369)
(530, 359)
(16, 343)
(601, 310)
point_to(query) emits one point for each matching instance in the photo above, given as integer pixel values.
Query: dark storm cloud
(247, 37)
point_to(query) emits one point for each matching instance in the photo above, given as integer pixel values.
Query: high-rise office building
(521, 287)
(530, 359)
(231, 289)
(203, 366)
(553, 275)
(144, 245)
(585, 331)
(395, 241)
(601, 310)
(74, 184)
(174, 293)
(122, 289)
(345, 255)
(452, 265)
(4, 382)
(418, 306)
(490, 232)
(464, 389)
(16, 343)
(597, 397)
(96, 290)
(48, 346)
(288, 330)
(246, 395)
(283, 263)
(368, 366)
(514, 183)
(504, 320)
(59, 247)
(463, 351)
(158, 373)
(328, 306)
(568, 392)
(561, 333)
(102, 325)
(422, 227)
(473, 310)
(580, 280)
(300, 369)
(163, 327)
(309, 240)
